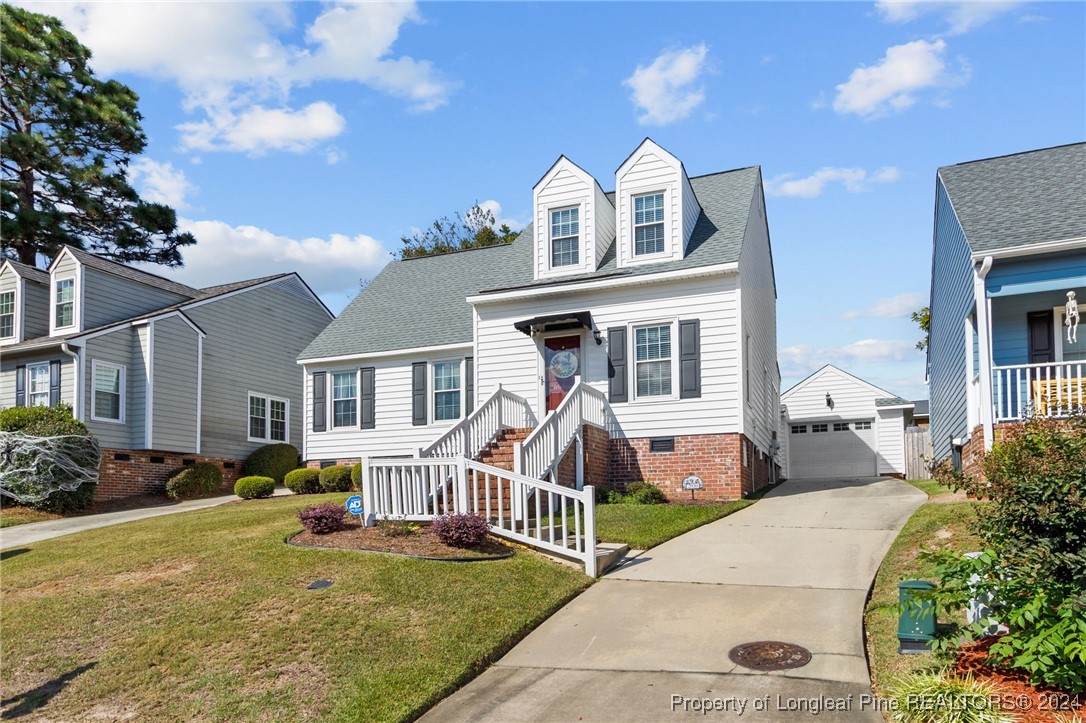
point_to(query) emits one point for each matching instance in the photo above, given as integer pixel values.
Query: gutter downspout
(77, 357)
(984, 331)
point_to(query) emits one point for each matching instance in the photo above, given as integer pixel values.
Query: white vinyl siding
(108, 394)
(269, 419)
(37, 385)
(345, 399)
(891, 439)
(653, 360)
(446, 386)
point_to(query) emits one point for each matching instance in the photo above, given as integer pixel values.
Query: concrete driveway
(651, 640)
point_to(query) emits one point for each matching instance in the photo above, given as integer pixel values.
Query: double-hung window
(565, 237)
(648, 224)
(65, 303)
(268, 418)
(652, 357)
(108, 392)
(446, 390)
(7, 315)
(37, 385)
(344, 399)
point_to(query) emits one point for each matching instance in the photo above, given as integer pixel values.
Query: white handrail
(530, 511)
(540, 453)
(502, 410)
(1043, 390)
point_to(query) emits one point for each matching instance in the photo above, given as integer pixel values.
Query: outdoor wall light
(829, 400)
(598, 336)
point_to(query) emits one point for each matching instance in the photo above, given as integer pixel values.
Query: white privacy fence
(503, 410)
(530, 511)
(1043, 390)
(544, 448)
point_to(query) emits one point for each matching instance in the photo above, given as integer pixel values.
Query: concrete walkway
(22, 535)
(651, 640)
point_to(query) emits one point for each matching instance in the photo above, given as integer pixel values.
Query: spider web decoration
(32, 468)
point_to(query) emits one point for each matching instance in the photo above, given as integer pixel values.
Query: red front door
(562, 367)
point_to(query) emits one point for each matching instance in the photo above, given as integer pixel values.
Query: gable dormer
(24, 301)
(66, 282)
(574, 221)
(655, 206)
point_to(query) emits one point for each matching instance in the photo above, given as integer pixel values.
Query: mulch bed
(422, 544)
(1043, 702)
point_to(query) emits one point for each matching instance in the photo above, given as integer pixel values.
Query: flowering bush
(322, 519)
(461, 530)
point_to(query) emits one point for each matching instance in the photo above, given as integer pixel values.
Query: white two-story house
(163, 374)
(648, 312)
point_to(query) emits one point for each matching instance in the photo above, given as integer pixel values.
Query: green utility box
(916, 619)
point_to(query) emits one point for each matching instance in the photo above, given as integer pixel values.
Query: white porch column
(984, 345)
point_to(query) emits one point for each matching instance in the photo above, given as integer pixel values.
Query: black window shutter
(20, 385)
(618, 388)
(689, 359)
(366, 401)
(418, 394)
(320, 413)
(54, 383)
(469, 385)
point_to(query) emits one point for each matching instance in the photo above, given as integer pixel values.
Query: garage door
(832, 449)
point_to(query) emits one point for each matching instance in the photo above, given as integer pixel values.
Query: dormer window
(649, 224)
(565, 237)
(65, 303)
(7, 315)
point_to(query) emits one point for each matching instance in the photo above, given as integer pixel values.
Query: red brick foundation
(142, 473)
(973, 450)
(316, 463)
(718, 459)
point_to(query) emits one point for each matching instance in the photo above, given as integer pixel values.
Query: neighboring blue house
(1009, 252)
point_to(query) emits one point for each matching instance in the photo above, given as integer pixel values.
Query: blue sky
(310, 137)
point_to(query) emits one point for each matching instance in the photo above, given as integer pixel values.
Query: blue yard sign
(354, 505)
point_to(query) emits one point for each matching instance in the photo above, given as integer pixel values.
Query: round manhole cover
(769, 655)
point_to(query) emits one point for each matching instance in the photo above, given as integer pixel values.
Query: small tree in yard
(474, 229)
(1034, 564)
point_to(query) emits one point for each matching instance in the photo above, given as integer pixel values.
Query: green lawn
(645, 526)
(937, 524)
(204, 615)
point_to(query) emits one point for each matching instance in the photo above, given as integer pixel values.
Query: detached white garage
(838, 425)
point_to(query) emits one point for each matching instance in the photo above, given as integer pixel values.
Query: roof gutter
(1045, 247)
(576, 287)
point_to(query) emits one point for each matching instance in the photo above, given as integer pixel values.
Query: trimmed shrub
(272, 460)
(196, 480)
(461, 530)
(336, 478)
(303, 481)
(356, 475)
(55, 422)
(323, 519)
(253, 487)
(643, 493)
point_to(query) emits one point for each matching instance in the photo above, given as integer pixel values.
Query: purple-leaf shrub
(461, 530)
(322, 519)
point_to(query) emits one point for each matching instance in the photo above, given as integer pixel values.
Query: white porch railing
(539, 454)
(502, 410)
(530, 511)
(1042, 390)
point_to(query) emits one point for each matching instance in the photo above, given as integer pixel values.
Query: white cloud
(257, 129)
(802, 359)
(893, 307)
(666, 91)
(855, 180)
(960, 17)
(160, 182)
(231, 61)
(496, 208)
(893, 84)
(332, 266)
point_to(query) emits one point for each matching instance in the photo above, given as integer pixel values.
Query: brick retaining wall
(145, 471)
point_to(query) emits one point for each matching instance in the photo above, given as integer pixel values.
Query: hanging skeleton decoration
(1071, 318)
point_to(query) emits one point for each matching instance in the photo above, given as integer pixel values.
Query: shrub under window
(303, 481)
(336, 478)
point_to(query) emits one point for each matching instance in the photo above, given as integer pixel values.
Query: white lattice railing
(530, 511)
(1043, 390)
(539, 454)
(503, 410)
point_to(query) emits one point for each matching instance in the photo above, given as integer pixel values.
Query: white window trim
(581, 245)
(673, 322)
(268, 399)
(330, 396)
(666, 253)
(431, 391)
(16, 321)
(93, 390)
(29, 376)
(77, 295)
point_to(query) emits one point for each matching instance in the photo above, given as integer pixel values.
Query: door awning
(555, 322)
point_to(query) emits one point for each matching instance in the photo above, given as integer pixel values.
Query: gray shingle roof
(892, 402)
(132, 274)
(422, 302)
(920, 407)
(1018, 200)
(31, 273)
